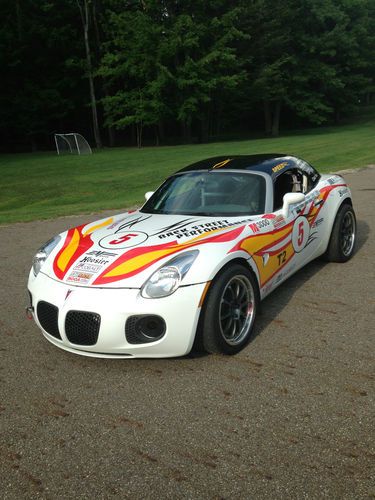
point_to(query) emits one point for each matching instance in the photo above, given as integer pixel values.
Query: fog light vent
(48, 316)
(144, 329)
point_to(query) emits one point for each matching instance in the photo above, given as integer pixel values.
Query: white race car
(190, 267)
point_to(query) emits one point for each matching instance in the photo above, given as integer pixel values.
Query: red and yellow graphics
(77, 242)
(273, 249)
(270, 251)
(271, 241)
(137, 259)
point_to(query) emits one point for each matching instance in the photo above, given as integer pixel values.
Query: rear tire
(343, 236)
(229, 311)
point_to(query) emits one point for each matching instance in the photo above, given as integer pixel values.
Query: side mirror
(148, 195)
(291, 199)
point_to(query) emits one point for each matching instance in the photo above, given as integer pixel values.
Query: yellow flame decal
(98, 226)
(263, 243)
(137, 262)
(274, 263)
(254, 244)
(69, 251)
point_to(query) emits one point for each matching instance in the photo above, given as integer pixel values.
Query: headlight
(167, 278)
(43, 253)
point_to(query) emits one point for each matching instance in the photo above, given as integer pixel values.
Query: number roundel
(300, 234)
(123, 240)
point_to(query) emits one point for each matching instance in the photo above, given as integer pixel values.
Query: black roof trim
(271, 163)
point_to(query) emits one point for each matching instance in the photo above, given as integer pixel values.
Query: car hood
(123, 251)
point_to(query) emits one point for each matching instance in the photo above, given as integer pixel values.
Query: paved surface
(290, 417)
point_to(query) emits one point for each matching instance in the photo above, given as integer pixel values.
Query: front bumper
(180, 312)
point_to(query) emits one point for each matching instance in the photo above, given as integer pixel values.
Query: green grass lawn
(44, 185)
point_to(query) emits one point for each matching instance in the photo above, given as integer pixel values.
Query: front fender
(239, 255)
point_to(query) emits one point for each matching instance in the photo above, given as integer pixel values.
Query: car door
(290, 241)
(301, 217)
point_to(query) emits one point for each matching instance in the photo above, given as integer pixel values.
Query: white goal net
(72, 144)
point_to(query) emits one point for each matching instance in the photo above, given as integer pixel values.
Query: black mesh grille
(82, 328)
(48, 315)
(130, 332)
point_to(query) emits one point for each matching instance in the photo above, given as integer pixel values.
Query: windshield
(209, 193)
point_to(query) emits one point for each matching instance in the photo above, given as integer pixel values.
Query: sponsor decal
(182, 231)
(279, 167)
(279, 221)
(317, 222)
(279, 278)
(102, 254)
(94, 261)
(334, 180)
(178, 229)
(91, 268)
(257, 226)
(79, 277)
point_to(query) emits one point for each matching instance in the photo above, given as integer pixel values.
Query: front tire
(343, 236)
(229, 311)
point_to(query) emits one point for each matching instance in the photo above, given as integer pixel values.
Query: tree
(132, 71)
(202, 66)
(201, 38)
(87, 12)
(332, 57)
(269, 71)
(169, 59)
(34, 100)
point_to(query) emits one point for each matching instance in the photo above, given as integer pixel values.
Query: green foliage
(191, 68)
(164, 63)
(35, 40)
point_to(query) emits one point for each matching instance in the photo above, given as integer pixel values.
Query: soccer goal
(72, 144)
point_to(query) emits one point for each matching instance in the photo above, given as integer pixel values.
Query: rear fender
(334, 202)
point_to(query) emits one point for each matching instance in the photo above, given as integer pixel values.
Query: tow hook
(29, 312)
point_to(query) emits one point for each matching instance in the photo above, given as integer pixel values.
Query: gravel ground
(290, 417)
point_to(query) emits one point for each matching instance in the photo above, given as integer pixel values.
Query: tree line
(142, 71)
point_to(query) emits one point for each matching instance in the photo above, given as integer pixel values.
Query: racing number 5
(122, 239)
(300, 233)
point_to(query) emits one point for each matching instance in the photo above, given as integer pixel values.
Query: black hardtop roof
(271, 163)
